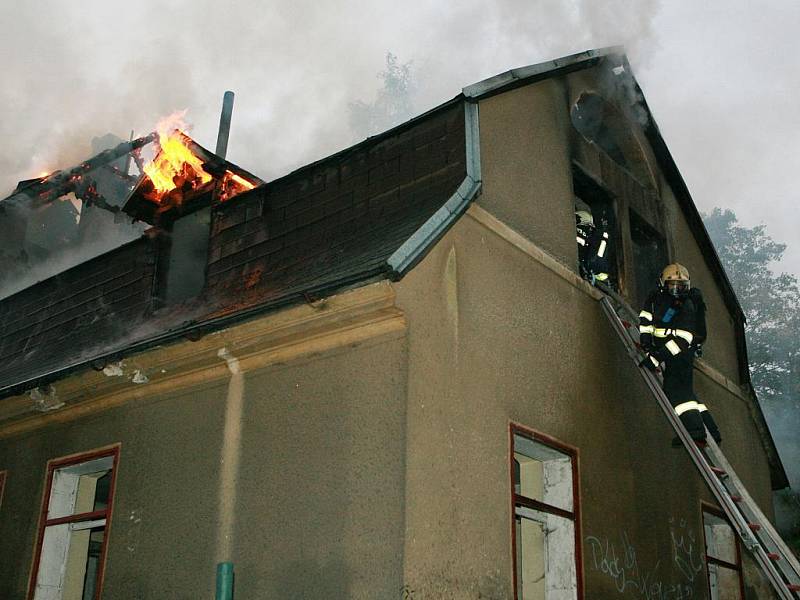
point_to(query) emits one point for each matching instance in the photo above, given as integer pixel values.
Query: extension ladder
(754, 529)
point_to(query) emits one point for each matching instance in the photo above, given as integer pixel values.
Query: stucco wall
(528, 181)
(318, 510)
(166, 492)
(495, 337)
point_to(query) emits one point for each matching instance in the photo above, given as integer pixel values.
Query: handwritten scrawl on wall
(618, 561)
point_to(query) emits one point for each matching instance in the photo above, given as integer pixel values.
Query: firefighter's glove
(650, 362)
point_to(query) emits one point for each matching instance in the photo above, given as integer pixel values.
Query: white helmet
(583, 218)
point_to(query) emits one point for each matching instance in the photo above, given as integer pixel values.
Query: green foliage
(393, 103)
(771, 303)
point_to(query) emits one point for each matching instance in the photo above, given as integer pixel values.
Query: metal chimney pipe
(224, 124)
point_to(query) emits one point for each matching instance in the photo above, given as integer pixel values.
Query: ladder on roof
(756, 532)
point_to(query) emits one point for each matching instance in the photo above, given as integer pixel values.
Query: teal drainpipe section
(224, 581)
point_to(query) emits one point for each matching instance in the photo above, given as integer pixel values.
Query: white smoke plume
(74, 71)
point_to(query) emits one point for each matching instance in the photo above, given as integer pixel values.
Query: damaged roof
(326, 226)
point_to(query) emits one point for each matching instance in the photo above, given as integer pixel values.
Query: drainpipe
(224, 124)
(224, 581)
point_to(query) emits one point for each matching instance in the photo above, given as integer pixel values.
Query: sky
(718, 76)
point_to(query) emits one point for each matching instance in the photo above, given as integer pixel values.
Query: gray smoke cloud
(77, 71)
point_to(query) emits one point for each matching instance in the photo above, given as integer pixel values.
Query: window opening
(723, 557)
(545, 519)
(597, 231)
(185, 263)
(602, 124)
(592, 119)
(649, 256)
(72, 535)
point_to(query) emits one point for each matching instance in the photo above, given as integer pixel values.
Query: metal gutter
(524, 75)
(421, 241)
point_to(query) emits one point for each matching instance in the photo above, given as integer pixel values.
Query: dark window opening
(605, 126)
(184, 262)
(589, 117)
(598, 246)
(649, 256)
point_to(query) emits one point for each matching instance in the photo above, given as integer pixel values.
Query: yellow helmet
(675, 279)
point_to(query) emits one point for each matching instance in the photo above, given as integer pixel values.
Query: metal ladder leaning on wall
(754, 529)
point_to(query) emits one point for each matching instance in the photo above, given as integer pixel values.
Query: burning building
(377, 376)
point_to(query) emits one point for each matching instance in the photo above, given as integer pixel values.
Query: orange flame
(233, 185)
(175, 164)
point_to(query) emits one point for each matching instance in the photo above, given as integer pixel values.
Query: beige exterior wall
(527, 178)
(492, 337)
(302, 488)
(496, 337)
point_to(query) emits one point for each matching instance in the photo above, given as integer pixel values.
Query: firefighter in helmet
(672, 328)
(592, 248)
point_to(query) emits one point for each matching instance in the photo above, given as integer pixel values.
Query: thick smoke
(77, 71)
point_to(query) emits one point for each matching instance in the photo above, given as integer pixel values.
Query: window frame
(52, 466)
(713, 509)
(637, 222)
(519, 500)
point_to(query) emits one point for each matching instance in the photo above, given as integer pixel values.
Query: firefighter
(672, 328)
(592, 248)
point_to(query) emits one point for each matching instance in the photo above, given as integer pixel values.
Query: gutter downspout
(417, 246)
(224, 588)
(230, 455)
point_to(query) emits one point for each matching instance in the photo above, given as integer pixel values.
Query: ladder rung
(736, 498)
(773, 556)
(793, 587)
(754, 526)
(718, 471)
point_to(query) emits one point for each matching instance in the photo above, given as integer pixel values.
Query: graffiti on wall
(617, 559)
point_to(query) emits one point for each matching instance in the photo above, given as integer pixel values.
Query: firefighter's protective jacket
(593, 253)
(669, 326)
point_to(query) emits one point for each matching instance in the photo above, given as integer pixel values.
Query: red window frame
(520, 500)
(712, 509)
(106, 513)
